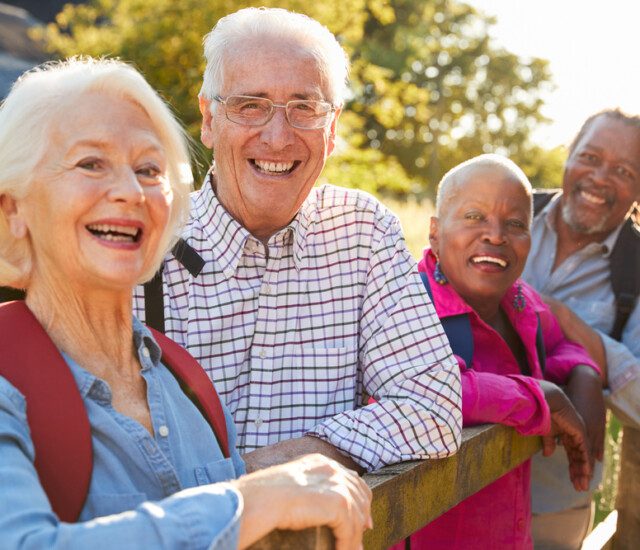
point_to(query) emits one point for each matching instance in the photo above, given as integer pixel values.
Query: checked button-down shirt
(294, 333)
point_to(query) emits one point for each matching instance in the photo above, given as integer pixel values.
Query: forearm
(416, 419)
(288, 450)
(622, 394)
(195, 517)
(512, 400)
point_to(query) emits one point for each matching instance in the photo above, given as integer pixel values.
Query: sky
(593, 47)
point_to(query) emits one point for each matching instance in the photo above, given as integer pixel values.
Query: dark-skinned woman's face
(482, 237)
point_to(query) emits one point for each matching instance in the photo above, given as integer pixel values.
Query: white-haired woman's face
(99, 200)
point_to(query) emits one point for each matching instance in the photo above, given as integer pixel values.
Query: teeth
(276, 167)
(593, 199)
(110, 232)
(490, 259)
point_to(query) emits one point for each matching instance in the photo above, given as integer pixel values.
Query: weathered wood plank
(317, 538)
(628, 501)
(409, 495)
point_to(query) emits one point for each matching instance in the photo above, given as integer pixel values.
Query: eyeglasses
(306, 114)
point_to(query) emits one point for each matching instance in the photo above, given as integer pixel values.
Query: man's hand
(567, 424)
(285, 451)
(585, 392)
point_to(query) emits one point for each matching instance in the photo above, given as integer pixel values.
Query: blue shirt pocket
(215, 472)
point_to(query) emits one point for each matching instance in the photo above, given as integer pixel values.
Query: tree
(429, 90)
(434, 91)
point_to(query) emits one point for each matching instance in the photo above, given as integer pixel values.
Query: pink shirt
(494, 390)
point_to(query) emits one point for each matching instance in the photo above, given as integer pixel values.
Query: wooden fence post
(628, 501)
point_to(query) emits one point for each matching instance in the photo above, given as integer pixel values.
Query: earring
(519, 301)
(440, 277)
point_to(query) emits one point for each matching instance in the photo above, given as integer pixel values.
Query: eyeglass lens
(255, 111)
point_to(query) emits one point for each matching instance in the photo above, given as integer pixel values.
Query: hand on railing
(568, 426)
(310, 491)
(585, 392)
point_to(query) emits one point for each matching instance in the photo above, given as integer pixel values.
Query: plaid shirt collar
(228, 237)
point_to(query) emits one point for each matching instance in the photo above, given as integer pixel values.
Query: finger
(580, 468)
(548, 445)
(345, 527)
(360, 492)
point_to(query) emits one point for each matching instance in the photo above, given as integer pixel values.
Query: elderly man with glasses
(300, 301)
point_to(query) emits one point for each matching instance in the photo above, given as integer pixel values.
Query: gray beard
(569, 217)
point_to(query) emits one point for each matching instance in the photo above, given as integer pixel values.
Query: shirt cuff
(210, 515)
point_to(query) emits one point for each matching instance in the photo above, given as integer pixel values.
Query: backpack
(56, 415)
(624, 262)
(153, 297)
(458, 331)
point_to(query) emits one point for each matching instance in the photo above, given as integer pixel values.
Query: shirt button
(258, 422)
(267, 289)
(163, 431)
(262, 354)
(145, 352)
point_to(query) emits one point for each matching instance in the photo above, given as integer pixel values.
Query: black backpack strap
(153, 295)
(542, 353)
(542, 197)
(457, 328)
(624, 263)
(8, 294)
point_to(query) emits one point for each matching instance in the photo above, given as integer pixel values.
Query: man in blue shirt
(572, 241)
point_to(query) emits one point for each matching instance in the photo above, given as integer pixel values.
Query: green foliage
(544, 167)
(429, 89)
(434, 91)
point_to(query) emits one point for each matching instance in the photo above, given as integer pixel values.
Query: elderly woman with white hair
(94, 184)
(510, 348)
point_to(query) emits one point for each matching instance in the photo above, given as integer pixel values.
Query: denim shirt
(146, 491)
(582, 282)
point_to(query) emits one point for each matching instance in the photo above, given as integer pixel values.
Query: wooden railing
(423, 490)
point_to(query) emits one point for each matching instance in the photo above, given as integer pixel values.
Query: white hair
(264, 24)
(456, 174)
(25, 127)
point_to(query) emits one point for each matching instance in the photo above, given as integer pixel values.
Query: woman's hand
(567, 424)
(584, 389)
(310, 491)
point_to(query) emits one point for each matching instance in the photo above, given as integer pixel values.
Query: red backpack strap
(197, 384)
(56, 414)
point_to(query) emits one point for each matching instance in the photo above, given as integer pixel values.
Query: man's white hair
(457, 173)
(25, 128)
(260, 25)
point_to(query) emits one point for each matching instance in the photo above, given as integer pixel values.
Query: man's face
(264, 173)
(602, 177)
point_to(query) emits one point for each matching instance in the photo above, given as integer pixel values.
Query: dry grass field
(414, 217)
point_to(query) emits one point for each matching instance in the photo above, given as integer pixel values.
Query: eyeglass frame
(223, 101)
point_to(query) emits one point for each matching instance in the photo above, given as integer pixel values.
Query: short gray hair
(250, 24)
(491, 160)
(25, 125)
(613, 113)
